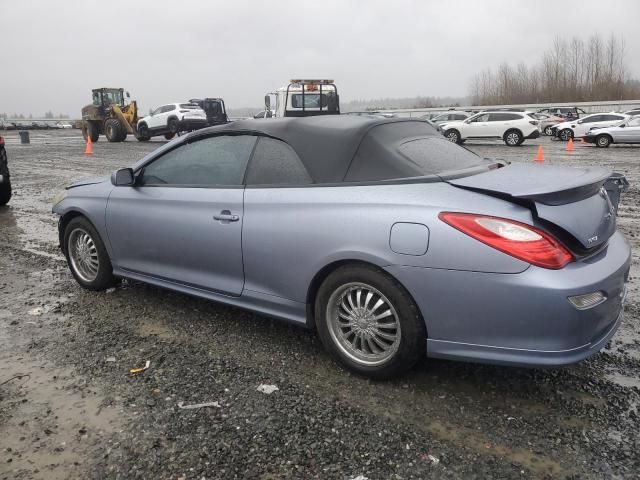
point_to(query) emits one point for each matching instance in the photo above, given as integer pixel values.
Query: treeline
(570, 71)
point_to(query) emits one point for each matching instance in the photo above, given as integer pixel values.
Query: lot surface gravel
(79, 413)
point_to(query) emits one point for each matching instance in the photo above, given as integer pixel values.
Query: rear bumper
(534, 134)
(193, 123)
(522, 319)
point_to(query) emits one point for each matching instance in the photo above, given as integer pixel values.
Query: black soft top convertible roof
(325, 144)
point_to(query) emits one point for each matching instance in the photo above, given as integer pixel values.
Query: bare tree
(570, 70)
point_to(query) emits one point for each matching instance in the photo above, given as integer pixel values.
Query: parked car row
(579, 128)
(33, 125)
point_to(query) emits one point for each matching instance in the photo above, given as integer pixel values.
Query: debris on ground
(36, 312)
(198, 405)
(110, 290)
(268, 389)
(139, 370)
(110, 359)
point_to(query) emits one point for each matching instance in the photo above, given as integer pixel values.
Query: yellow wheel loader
(109, 115)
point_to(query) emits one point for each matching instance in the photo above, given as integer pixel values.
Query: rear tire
(169, 135)
(90, 130)
(87, 256)
(5, 193)
(173, 126)
(513, 138)
(113, 130)
(453, 135)
(369, 323)
(603, 141)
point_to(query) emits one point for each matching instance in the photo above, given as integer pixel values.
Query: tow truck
(303, 98)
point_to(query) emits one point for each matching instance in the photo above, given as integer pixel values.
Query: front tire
(143, 133)
(603, 141)
(169, 135)
(566, 134)
(547, 131)
(87, 256)
(513, 138)
(113, 130)
(453, 136)
(369, 322)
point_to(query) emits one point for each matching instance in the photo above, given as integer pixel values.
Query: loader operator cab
(105, 97)
(304, 98)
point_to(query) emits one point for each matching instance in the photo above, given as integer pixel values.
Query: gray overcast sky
(54, 52)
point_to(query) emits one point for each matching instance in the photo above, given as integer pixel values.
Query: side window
(481, 118)
(610, 118)
(635, 122)
(498, 117)
(276, 163)
(212, 161)
(157, 111)
(594, 118)
(169, 108)
(459, 116)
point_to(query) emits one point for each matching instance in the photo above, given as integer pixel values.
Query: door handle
(225, 216)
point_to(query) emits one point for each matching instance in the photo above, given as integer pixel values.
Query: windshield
(112, 97)
(190, 106)
(311, 100)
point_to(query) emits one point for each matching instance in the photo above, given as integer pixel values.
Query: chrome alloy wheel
(83, 254)
(452, 136)
(363, 324)
(513, 138)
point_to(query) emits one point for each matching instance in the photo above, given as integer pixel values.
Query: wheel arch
(324, 272)
(65, 218)
(606, 134)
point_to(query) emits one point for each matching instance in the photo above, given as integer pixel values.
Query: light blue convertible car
(388, 239)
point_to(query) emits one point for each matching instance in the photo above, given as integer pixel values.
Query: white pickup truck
(303, 98)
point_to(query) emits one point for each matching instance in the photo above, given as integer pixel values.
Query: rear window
(189, 105)
(408, 150)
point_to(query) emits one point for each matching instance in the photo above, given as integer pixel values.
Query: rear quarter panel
(290, 234)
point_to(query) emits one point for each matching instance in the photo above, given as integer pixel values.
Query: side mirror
(622, 125)
(123, 177)
(267, 103)
(580, 121)
(128, 95)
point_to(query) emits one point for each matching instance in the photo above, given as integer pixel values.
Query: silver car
(627, 131)
(391, 241)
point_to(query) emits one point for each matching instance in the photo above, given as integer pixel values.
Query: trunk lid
(581, 201)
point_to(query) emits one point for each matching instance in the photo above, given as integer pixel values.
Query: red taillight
(513, 238)
(1, 140)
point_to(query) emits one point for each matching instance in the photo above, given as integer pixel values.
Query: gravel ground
(80, 414)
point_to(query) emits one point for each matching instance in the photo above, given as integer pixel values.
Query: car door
(275, 210)
(182, 220)
(630, 133)
(584, 125)
(155, 118)
(477, 127)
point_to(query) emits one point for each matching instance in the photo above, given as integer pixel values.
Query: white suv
(579, 128)
(511, 127)
(170, 119)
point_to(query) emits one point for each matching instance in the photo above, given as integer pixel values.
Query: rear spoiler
(615, 185)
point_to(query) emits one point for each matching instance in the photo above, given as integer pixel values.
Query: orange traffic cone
(570, 145)
(89, 149)
(540, 155)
